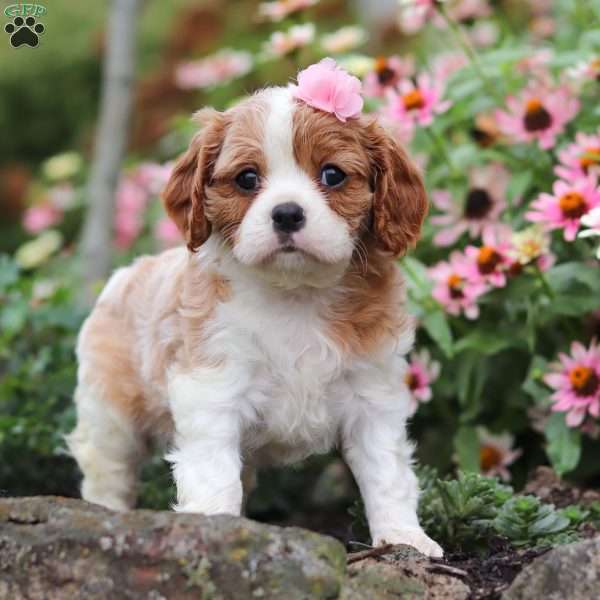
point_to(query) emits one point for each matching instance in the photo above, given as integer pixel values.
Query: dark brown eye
(332, 176)
(247, 180)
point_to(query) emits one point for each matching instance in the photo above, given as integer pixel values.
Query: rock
(53, 548)
(58, 548)
(571, 571)
(404, 574)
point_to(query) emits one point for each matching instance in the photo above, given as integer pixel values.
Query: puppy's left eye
(332, 176)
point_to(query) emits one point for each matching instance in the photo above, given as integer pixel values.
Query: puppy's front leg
(376, 448)
(206, 459)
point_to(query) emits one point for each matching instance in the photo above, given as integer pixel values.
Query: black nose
(288, 217)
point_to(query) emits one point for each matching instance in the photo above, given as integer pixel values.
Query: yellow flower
(62, 166)
(36, 252)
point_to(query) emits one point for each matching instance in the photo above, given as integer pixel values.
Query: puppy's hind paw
(414, 537)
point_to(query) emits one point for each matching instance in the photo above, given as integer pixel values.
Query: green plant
(526, 521)
(458, 513)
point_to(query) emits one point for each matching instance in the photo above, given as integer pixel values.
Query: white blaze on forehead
(279, 130)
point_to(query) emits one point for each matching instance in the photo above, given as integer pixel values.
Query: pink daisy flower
(414, 14)
(580, 158)
(280, 9)
(422, 372)
(496, 453)
(218, 69)
(446, 64)
(576, 381)
(564, 208)
(453, 289)
(417, 101)
(489, 263)
(386, 74)
(480, 210)
(538, 114)
(285, 42)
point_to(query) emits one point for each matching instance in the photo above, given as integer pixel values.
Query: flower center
(590, 158)
(489, 457)
(385, 75)
(584, 380)
(537, 118)
(572, 205)
(412, 381)
(413, 100)
(487, 260)
(478, 203)
(455, 285)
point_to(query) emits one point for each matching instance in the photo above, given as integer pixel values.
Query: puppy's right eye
(247, 180)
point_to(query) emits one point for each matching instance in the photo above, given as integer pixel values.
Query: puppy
(279, 332)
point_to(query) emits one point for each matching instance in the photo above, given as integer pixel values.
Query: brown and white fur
(252, 345)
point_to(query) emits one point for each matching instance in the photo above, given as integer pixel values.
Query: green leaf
(563, 444)
(563, 277)
(518, 185)
(436, 325)
(466, 444)
(9, 271)
(487, 342)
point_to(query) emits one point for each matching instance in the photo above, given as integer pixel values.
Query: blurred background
(490, 409)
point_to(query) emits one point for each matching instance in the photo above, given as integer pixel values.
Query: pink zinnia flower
(280, 9)
(213, 70)
(576, 381)
(329, 88)
(417, 102)
(386, 74)
(489, 263)
(564, 208)
(496, 453)
(41, 216)
(538, 114)
(453, 289)
(166, 232)
(422, 372)
(580, 158)
(480, 210)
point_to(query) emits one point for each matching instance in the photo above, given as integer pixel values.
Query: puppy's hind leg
(108, 449)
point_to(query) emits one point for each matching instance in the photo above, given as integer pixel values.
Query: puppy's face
(292, 190)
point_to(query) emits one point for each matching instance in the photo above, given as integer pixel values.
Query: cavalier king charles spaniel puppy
(281, 330)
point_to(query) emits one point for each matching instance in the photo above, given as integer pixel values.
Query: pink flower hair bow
(329, 88)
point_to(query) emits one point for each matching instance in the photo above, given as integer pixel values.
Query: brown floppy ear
(399, 197)
(184, 193)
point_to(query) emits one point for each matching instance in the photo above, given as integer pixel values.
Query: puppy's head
(294, 191)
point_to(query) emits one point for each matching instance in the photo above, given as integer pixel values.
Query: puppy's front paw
(414, 537)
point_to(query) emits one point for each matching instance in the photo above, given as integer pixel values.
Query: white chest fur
(289, 372)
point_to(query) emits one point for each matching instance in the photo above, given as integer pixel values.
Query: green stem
(464, 42)
(440, 145)
(545, 285)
